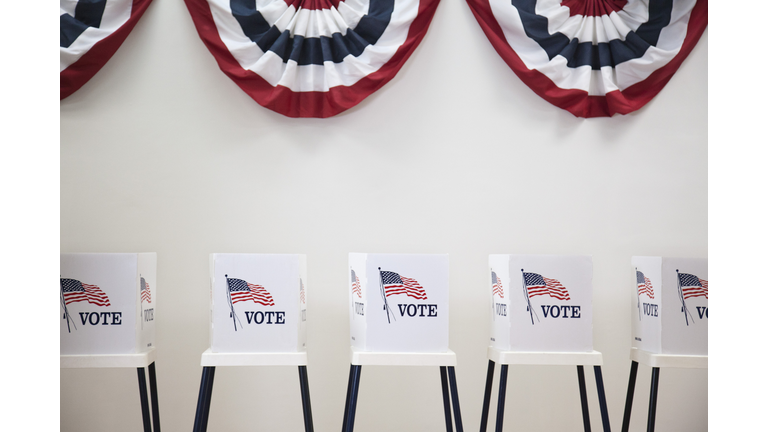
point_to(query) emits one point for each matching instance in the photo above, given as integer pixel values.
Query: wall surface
(161, 152)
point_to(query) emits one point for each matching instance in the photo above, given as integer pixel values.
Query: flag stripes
(497, 288)
(644, 285)
(75, 291)
(146, 296)
(240, 290)
(395, 284)
(692, 286)
(537, 285)
(356, 285)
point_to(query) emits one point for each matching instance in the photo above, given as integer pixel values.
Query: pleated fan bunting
(311, 58)
(91, 31)
(593, 58)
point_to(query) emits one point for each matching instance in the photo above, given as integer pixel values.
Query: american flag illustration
(396, 284)
(146, 296)
(644, 285)
(692, 286)
(497, 288)
(356, 285)
(539, 285)
(240, 290)
(75, 291)
(302, 296)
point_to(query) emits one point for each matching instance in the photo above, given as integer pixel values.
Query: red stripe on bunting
(579, 102)
(79, 72)
(593, 7)
(313, 4)
(307, 104)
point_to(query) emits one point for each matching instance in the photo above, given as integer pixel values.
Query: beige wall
(162, 152)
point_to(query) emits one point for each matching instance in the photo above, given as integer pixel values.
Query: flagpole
(66, 312)
(231, 307)
(527, 299)
(682, 298)
(384, 295)
(639, 314)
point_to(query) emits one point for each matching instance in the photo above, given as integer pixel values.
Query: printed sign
(541, 303)
(398, 303)
(106, 303)
(670, 304)
(258, 303)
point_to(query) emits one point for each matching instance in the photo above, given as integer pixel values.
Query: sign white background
(549, 334)
(279, 275)
(402, 333)
(455, 155)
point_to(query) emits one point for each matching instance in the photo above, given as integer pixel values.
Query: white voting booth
(670, 318)
(257, 318)
(108, 304)
(398, 316)
(541, 314)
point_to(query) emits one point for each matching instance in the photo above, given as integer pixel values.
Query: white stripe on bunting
(312, 23)
(595, 30)
(116, 13)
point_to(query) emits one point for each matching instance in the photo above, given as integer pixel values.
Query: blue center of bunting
(315, 50)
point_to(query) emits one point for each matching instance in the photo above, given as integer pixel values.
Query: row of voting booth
(540, 311)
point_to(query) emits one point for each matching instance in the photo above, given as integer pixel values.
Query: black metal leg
(446, 399)
(652, 404)
(346, 401)
(153, 395)
(352, 388)
(455, 398)
(144, 400)
(204, 399)
(502, 394)
(487, 397)
(584, 403)
(630, 396)
(305, 402)
(601, 399)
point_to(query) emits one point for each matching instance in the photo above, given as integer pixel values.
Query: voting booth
(107, 303)
(541, 314)
(670, 316)
(398, 303)
(541, 303)
(258, 317)
(258, 303)
(107, 317)
(398, 316)
(670, 305)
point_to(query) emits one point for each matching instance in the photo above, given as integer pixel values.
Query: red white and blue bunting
(91, 31)
(593, 58)
(311, 58)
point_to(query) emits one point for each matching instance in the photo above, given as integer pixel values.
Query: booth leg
(144, 400)
(502, 394)
(153, 396)
(584, 402)
(630, 397)
(601, 399)
(305, 402)
(446, 399)
(455, 398)
(204, 399)
(351, 406)
(652, 403)
(487, 397)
